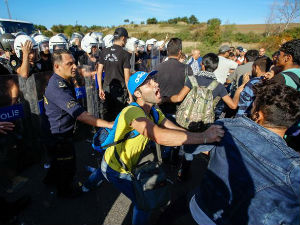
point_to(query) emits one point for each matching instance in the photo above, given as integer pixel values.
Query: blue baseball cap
(137, 79)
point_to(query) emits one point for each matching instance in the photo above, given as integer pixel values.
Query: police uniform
(15, 63)
(61, 111)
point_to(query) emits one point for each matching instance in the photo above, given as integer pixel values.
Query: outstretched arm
(169, 137)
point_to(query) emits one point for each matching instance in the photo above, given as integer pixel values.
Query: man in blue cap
(146, 92)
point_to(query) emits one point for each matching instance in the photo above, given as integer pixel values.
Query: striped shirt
(247, 97)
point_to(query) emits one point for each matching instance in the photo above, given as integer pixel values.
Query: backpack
(104, 138)
(292, 79)
(197, 109)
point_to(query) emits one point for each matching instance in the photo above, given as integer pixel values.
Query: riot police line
(21, 95)
(22, 102)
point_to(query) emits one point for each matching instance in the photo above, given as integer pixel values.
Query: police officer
(10, 59)
(61, 112)
(27, 52)
(75, 46)
(43, 45)
(116, 63)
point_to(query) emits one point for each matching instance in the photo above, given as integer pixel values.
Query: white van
(15, 26)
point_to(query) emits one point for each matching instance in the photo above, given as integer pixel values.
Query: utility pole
(7, 9)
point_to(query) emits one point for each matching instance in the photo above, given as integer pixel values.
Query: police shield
(155, 57)
(91, 90)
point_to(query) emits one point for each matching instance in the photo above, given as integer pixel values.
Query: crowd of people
(239, 107)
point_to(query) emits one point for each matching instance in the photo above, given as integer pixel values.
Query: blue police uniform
(61, 111)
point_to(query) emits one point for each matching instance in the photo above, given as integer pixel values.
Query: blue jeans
(95, 177)
(123, 182)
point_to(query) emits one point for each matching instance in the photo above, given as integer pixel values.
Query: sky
(108, 12)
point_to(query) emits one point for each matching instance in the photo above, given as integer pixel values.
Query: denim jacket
(253, 177)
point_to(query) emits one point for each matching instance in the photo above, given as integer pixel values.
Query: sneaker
(85, 189)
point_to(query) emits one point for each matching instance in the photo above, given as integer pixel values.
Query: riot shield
(132, 62)
(92, 95)
(12, 146)
(155, 57)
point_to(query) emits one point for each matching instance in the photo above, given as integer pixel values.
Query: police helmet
(20, 41)
(7, 42)
(57, 42)
(108, 40)
(74, 36)
(20, 33)
(88, 42)
(131, 44)
(63, 36)
(42, 42)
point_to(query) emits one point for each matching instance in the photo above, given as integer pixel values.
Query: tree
(126, 21)
(228, 33)
(58, 28)
(143, 22)
(152, 21)
(212, 34)
(284, 13)
(40, 27)
(193, 19)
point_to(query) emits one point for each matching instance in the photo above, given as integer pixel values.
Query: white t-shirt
(223, 69)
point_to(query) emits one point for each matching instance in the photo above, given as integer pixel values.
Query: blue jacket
(253, 177)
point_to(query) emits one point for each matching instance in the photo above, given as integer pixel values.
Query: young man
(115, 61)
(204, 79)
(236, 77)
(171, 75)
(28, 54)
(259, 68)
(194, 61)
(289, 60)
(253, 177)
(226, 66)
(147, 94)
(61, 112)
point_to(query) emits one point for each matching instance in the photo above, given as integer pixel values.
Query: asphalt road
(105, 205)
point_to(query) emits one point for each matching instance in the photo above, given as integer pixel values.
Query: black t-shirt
(45, 65)
(85, 60)
(76, 52)
(171, 77)
(220, 90)
(114, 59)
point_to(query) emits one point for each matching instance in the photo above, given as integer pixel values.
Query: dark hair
(251, 55)
(275, 54)
(231, 54)
(264, 63)
(57, 55)
(210, 61)
(174, 46)
(279, 103)
(292, 48)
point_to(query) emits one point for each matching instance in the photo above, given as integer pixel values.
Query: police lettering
(9, 115)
